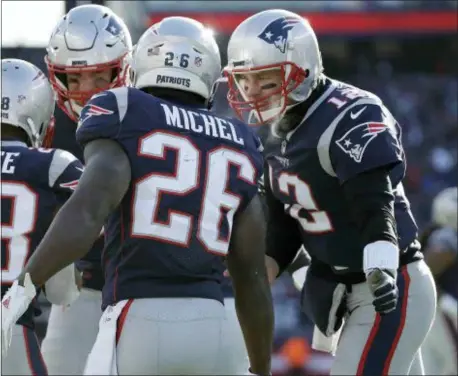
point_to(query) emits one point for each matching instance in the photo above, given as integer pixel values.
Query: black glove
(382, 284)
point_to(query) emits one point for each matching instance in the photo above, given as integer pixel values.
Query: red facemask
(58, 79)
(245, 108)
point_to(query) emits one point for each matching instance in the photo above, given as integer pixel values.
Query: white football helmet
(27, 101)
(90, 38)
(444, 208)
(178, 53)
(273, 39)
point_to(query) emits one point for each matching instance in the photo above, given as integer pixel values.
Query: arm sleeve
(283, 238)
(254, 150)
(372, 205)
(102, 116)
(366, 138)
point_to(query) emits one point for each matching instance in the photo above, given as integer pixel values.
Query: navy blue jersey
(346, 132)
(191, 172)
(64, 138)
(35, 183)
(220, 106)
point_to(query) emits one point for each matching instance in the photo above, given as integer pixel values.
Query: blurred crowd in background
(413, 70)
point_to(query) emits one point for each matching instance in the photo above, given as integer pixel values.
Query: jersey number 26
(216, 200)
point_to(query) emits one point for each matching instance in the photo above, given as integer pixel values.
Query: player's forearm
(253, 302)
(372, 206)
(69, 238)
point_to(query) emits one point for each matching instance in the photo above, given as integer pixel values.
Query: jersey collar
(14, 143)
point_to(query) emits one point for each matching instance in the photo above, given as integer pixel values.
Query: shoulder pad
(103, 115)
(356, 108)
(59, 162)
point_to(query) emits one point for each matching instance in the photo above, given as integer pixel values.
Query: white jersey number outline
(179, 226)
(302, 194)
(16, 232)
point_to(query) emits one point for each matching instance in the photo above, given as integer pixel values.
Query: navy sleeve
(258, 148)
(65, 171)
(367, 137)
(102, 116)
(253, 148)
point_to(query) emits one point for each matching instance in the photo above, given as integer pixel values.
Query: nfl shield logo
(198, 61)
(154, 51)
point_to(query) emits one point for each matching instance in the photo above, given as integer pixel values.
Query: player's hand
(382, 284)
(14, 304)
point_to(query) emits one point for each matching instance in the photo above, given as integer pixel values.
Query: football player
(173, 185)
(88, 52)
(333, 177)
(35, 181)
(439, 240)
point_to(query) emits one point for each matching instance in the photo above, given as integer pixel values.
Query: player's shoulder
(359, 112)
(252, 142)
(356, 118)
(104, 114)
(111, 105)
(39, 165)
(341, 105)
(347, 99)
(38, 155)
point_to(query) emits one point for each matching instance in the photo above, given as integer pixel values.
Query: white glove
(14, 304)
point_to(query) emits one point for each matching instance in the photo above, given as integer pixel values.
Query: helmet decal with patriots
(277, 31)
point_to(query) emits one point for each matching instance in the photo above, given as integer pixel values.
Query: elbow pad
(61, 288)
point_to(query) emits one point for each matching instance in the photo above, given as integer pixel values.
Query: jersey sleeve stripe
(122, 99)
(60, 161)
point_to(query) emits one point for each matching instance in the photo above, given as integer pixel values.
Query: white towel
(321, 342)
(102, 358)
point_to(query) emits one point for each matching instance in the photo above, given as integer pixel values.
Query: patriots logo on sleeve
(356, 140)
(92, 110)
(276, 32)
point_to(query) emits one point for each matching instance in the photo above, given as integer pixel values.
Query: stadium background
(404, 51)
